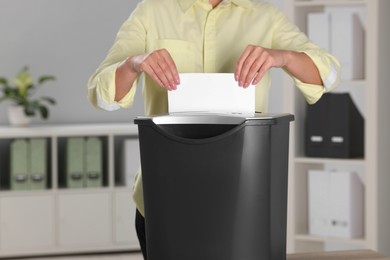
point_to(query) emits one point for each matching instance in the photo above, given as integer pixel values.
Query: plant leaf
(29, 110)
(13, 94)
(45, 78)
(44, 112)
(4, 81)
(21, 90)
(22, 81)
(50, 100)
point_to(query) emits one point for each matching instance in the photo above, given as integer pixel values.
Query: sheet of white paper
(211, 92)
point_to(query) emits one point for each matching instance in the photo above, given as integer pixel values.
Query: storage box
(75, 154)
(131, 160)
(19, 164)
(93, 162)
(38, 175)
(334, 128)
(347, 41)
(340, 30)
(336, 201)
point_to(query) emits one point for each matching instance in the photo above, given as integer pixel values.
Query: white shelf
(67, 130)
(371, 97)
(15, 193)
(354, 83)
(308, 160)
(108, 210)
(300, 3)
(309, 238)
(61, 191)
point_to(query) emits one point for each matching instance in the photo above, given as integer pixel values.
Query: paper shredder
(215, 185)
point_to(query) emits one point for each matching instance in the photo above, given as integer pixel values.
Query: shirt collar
(186, 4)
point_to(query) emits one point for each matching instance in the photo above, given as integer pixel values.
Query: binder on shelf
(93, 162)
(131, 160)
(346, 205)
(340, 31)
(318, 29)
(347, 42)
(19, 165)
(318, 200)
(335, 204)
(38, 164)
(346, 127)
(316, 128)
(334, 128)
(75, 176)
(2, 172)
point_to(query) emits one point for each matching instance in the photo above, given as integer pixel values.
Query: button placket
(209, 44)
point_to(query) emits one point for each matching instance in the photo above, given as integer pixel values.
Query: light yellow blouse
(202, 39)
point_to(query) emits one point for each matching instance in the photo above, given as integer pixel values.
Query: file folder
(131, 160)
(346, 128)
(94, 165)
(316, 128)
(335, 204)
(38, 164)
(75, 176)
(318, 202)
(318, 29)
(2, 171)
(346, 210)
(347, 42)
(19, 165)
(334, 128)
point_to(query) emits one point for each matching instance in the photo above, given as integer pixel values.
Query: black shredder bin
(215, 185)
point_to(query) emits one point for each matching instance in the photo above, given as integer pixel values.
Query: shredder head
(214, 118)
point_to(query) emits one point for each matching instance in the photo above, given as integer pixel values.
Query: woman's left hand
(255, 61)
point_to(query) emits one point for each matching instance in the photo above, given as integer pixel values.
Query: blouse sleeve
(287, 36)
(130, 41)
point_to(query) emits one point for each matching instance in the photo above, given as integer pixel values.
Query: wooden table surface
(341, 255)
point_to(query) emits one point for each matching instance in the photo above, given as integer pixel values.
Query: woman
(163, 38)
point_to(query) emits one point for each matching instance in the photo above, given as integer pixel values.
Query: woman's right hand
(159, 65)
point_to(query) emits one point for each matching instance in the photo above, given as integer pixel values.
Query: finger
(159, 68)
(257, 65)
(252, 72)
(149, 71)
(240, 63)
(172, 67)
(151, 68)
(247, 66)
(166, 64)
(266, 67)
(163, 65)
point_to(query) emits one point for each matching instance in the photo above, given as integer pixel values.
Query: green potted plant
(20, 93)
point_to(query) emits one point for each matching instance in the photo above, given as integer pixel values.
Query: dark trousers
(140, 228)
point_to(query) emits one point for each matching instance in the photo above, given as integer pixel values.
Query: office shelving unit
(60, 220)
(373, 93)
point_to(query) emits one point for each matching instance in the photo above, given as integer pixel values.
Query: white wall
(68, 39)
(276, 97)
(65, 38)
